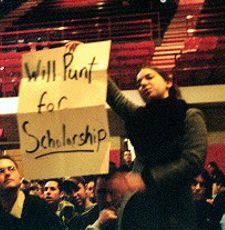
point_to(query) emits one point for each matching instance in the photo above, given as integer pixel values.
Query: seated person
(19, 210)
(37, 188)
(107, 203)
(218, 206)
(122, 202)
(53, 195)
(203, 208)
(86, 211)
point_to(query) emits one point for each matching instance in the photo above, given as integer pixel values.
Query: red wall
(216, 152)
(115, 156)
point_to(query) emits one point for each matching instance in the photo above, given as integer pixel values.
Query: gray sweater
(170, 179)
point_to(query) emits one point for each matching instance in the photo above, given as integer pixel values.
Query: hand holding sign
(71, 46)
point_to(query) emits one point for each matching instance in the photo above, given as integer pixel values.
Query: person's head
(10, 177)
(212, 168)
(155, 84)
(75, 190)
(53, 191)
(198, 188)
(37, 188)
(220, 184)
(106, 196)
(25, 185)
(127, 157)
(90, 189)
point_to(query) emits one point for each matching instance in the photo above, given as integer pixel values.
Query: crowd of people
(61, 203)
(94, 203)
(208, 189)
(153, 192)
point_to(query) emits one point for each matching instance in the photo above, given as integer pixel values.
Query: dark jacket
(86, 218)
(218, 210)
(36, 215)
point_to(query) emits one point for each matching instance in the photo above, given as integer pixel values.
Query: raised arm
(118, 102)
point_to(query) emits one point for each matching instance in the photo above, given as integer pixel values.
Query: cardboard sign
(62, 119)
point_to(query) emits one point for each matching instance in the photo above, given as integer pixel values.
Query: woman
(170, 141)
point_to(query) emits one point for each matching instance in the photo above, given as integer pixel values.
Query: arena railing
(118, 32)
(117, 29)
(206, 23)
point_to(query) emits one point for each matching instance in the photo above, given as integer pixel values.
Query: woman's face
(151, 85)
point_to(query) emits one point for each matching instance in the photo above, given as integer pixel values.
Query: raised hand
(72, 45)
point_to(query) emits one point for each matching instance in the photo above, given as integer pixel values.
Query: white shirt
(18, 205)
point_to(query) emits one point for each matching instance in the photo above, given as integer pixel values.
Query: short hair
(7, 157)
(59, 181)
(71, 184)
(80, 180)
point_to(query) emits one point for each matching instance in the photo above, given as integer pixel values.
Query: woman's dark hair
(174, 91)
(58, 181)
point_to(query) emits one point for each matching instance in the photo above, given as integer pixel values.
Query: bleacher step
(176, 31)
(163, 57)
(163, 61)
(179, 20)
(166, 44)
(177, 26)
(171, 35)
(172, 40)
(167, 48)
(166, 52)
(165, 66)
(175, 35)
